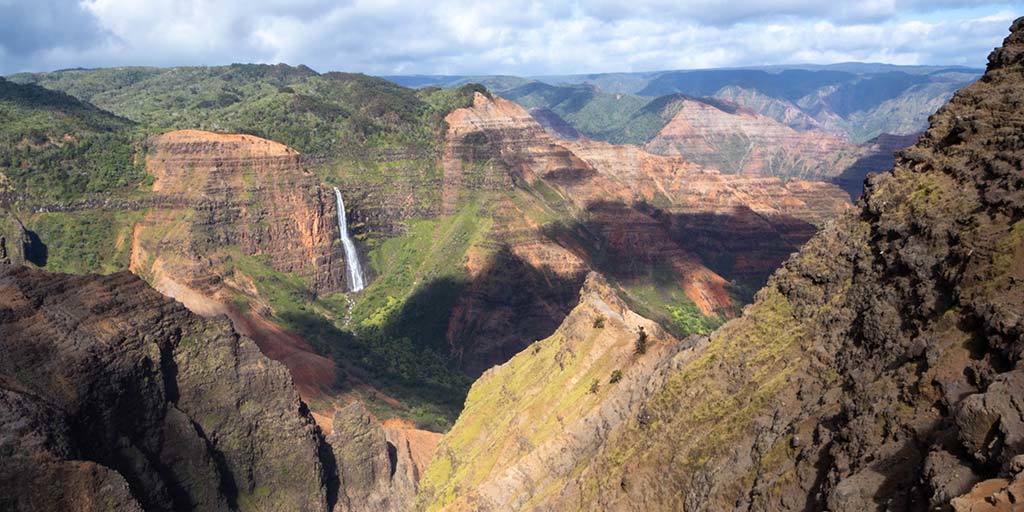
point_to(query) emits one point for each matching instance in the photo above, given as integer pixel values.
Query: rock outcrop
(114, 397)
(14, 240)
(380, 466)
(225, 192)
(880, 368)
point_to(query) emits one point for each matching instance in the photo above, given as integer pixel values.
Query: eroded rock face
(380, 466)
(734, 139)
(623, 211)
(225, 195)
(692, 204)
(112, 396)
(879, 369)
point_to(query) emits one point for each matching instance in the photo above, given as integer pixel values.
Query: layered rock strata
(234, 192)
(734, 139)
(112, 396)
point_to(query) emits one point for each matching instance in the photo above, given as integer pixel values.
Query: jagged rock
(991, 424)
(112, 396)
(377, 470)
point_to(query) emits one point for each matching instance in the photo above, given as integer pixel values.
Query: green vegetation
(55, 148)
(659, 297)
(616, 118)
(86, 241)
(641, 342)
(342, 115)
(615, 377)
(510, 410)
(746, 363)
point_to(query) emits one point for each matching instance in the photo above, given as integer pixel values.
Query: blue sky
(520, 37)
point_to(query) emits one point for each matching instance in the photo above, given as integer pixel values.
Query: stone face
(222, 192)
(113, 394)
(379, 467)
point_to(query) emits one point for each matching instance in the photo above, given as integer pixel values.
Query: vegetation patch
(89, 241)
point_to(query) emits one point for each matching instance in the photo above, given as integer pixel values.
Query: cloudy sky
(519, 37)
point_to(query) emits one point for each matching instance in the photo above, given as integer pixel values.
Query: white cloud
(498, 36)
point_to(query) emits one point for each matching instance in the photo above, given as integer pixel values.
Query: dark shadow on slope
(852, 178)
(628, 241)
(743, 246)
(449, 330)
(36, 252)
(507, 306)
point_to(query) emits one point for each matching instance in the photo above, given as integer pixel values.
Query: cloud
(34, 28)
(499, 36)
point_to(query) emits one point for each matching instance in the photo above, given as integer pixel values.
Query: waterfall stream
(355, 270)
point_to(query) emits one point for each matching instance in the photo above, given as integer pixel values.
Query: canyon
(288, 320)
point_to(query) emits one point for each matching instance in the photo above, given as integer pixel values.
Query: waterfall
(355, 271)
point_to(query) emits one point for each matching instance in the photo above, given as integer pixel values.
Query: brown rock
(112, 395)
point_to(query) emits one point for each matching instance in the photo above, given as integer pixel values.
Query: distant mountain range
(859, 101)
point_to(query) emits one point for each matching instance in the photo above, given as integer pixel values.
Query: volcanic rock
(113, 396)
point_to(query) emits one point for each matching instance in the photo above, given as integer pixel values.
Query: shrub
(616, 376)
(641, 341)
(599, 322)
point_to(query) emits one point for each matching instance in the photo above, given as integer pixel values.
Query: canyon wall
(734, 139)
(220, 196)
(113, 396)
